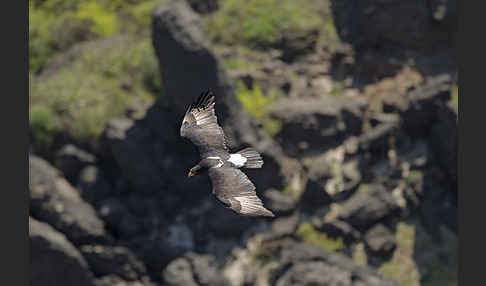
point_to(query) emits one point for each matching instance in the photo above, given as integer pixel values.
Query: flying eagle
(230, 185)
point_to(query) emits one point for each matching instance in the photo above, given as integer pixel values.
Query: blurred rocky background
(353, 105)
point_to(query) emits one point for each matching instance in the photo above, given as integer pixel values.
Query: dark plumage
(230, 185)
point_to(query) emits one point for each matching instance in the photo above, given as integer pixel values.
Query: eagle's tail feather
(253, 158)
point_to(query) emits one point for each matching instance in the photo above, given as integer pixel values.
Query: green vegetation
(258, 23)
(253, 99)
(44, 123)
(56, 25)
(402, 267)
(419, 260)
(363, 188)
(414, 176)
(112, 68)
(100, 84)
(256, 104)
(310, 235)
(337, 89)
(104, 21)
(238, 63)
(359, 254)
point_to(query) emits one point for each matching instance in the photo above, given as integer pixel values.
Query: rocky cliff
(359, 140)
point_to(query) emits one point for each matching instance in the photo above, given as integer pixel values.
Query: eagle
(230, 185)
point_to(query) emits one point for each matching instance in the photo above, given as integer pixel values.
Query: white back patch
(238, 160)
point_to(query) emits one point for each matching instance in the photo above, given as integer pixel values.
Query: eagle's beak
(191, 173)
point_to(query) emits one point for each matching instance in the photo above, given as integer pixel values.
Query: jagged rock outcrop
(117, 260)
(368, 207)
(380, 241)
(185, 53)
(55, 201)
(193, 269)
(71, 160)
(204, 6)
(316, 124)
(301, 264)
(54, 260)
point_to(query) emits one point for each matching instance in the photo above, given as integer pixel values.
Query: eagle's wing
(232, 187)
(200, 125)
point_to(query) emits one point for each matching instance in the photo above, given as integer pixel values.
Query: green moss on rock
(256, 103)
(310, 235)
(419, 259)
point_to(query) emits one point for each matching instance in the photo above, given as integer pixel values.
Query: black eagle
(230, 185)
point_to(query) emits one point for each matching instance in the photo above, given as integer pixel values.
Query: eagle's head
(194, 171)
(204, 165)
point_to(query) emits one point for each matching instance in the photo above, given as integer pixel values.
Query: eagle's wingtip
(268, 213)
(205, 100)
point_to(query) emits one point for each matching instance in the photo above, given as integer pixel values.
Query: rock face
(178, 36)
(353, 174)
(380, 240)
(93, 185)
(54, 200)
(127, 143)
(301, 264)
(368, 207)
(278, 202)
(423, 105)
(71, 160)
(444, 139)
(192, 269)
(425, 31)
(316, 124)
(366, 23)
(54, 260)
(117, 260)
(204, 6)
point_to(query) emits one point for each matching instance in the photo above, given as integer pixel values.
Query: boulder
(55, 201)
(332, 176)
(162, 244)
(204, 6)
(424, 103)
(380, 241)
(179, 273)
(128, 143)
(443, 140)
(71, 160)
(368, 207)
(54, 260)
(193, 269)
(118, 260)
(113, 280)
(314, 125)
(279, 203)
(301, 264)
(408, 25)
(337, 228)
(283, 227)
(92, 185)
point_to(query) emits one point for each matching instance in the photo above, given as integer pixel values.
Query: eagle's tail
(253, 158)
